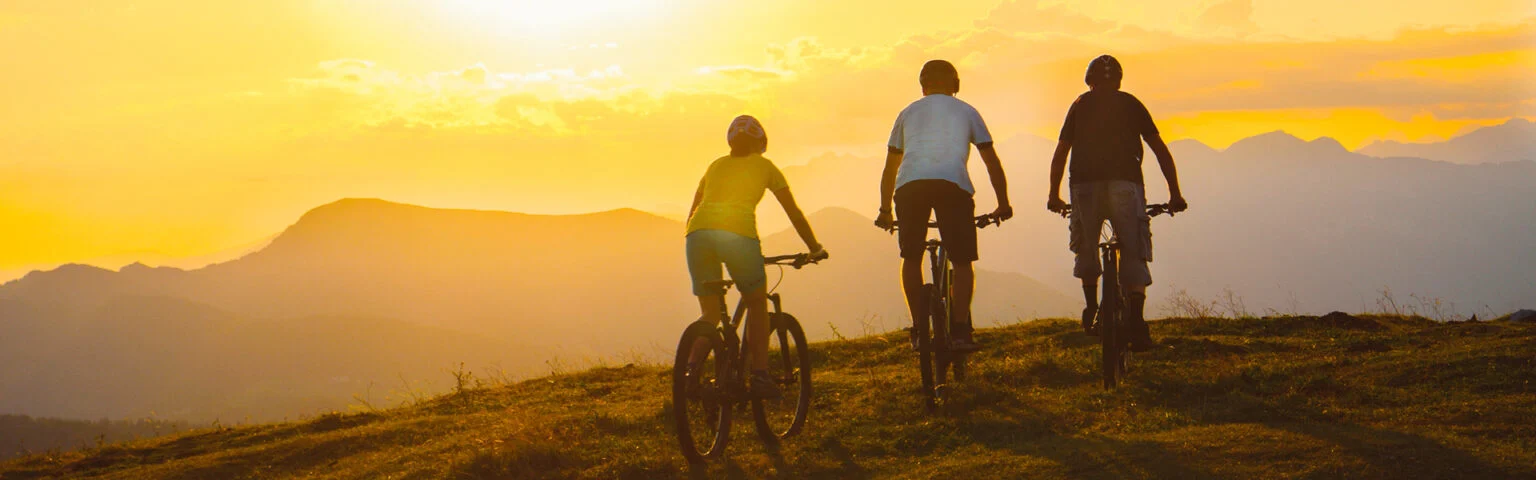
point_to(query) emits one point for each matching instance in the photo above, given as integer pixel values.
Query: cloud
(743, 72)
(1228, 16)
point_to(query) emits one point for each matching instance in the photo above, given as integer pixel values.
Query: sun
(552, 16)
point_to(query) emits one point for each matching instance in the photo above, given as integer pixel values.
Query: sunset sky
(183, 128)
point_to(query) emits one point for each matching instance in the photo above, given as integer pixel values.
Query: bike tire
(792, 367)
(939, 325)
(956, 360)
(1111, 333)
(702, 413)
(941, 303)
(1110, 361)
(925, 349)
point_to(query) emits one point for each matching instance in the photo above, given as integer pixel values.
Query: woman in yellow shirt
(722, 229)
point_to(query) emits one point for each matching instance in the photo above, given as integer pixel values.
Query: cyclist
(1103, 132)
(926, 174)
(722, 229)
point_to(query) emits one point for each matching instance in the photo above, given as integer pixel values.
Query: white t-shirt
(935, 134)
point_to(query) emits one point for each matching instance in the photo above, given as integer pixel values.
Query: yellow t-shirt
(732, 187)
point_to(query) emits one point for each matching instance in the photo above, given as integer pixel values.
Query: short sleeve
(1143, 117)
(776, 179)
(898, 132)
(979, 133)
(1068, 125)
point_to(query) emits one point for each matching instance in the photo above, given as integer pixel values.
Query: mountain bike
(931, 334)
(1114, 341)
(703, 400)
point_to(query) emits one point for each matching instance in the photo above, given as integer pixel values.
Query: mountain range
(1285, 223)
(1514, 140)
(372, 298)
(363, 290)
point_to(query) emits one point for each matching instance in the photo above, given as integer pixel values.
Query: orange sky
(181, 128)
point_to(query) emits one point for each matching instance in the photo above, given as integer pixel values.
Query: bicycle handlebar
(1153, 210)
(797, 260)
(982, 221)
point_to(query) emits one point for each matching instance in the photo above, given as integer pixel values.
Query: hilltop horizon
(1380, 149)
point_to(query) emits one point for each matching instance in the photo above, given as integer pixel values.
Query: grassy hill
(1337, 396)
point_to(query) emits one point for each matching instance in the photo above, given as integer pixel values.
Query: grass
(1372, 397)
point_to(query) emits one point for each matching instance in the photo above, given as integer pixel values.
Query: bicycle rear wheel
(956, 360)
(925, 347)
(939, 323)
(789, 363)
(701, 407)
(1111, 332)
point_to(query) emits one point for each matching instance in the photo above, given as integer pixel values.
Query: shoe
(963, 344)
(1141, 337)
(763, 387)
(1142, 344)
(917, 345)
(1089, 326)
(1136, 324)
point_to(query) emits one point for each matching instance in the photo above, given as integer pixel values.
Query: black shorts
(918, 200)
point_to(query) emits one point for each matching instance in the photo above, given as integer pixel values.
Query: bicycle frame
(730, 324)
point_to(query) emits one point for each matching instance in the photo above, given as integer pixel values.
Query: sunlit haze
(167, 129)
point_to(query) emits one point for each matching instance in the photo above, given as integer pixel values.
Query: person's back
(936, 133)
(1108, 126)
(731, 189)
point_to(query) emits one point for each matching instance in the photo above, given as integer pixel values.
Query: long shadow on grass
(1390, 454)
(1027, 431)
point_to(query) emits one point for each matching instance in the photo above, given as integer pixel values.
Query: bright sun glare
(551, 16)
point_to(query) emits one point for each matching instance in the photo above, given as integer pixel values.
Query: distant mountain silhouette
(1285, 222)
(522, 289)
(1514, 140)
(140, 356)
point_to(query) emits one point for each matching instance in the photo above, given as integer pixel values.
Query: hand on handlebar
(1003, 212)
(819, 254)
(886, 221)
(1177, 204)
(1057, 206)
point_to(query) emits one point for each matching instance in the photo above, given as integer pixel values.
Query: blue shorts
(742, 256)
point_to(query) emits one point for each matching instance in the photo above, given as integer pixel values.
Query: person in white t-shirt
(926, 175)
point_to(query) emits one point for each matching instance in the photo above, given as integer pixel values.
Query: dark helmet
(939, 74)
(746, 132)
(1103, 68)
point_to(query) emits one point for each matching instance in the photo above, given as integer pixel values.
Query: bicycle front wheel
(701, 407)
(789, 364)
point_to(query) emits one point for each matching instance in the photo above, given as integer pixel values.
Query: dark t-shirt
(1105, 129)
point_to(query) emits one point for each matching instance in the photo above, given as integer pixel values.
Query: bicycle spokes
(789, 366)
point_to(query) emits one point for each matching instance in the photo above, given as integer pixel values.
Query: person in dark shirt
(1103, 133)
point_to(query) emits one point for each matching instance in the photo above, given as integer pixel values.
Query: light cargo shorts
(1124, 205)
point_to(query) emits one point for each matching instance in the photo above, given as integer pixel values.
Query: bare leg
(757, 328)
(709, 311)
(1090, 303)
(963, 289)
(912, 287)
(1135, 304)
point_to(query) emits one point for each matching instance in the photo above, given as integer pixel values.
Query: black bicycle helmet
(1103, 68)
(939, 74)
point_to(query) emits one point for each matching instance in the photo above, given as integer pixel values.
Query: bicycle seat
(719, 285)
